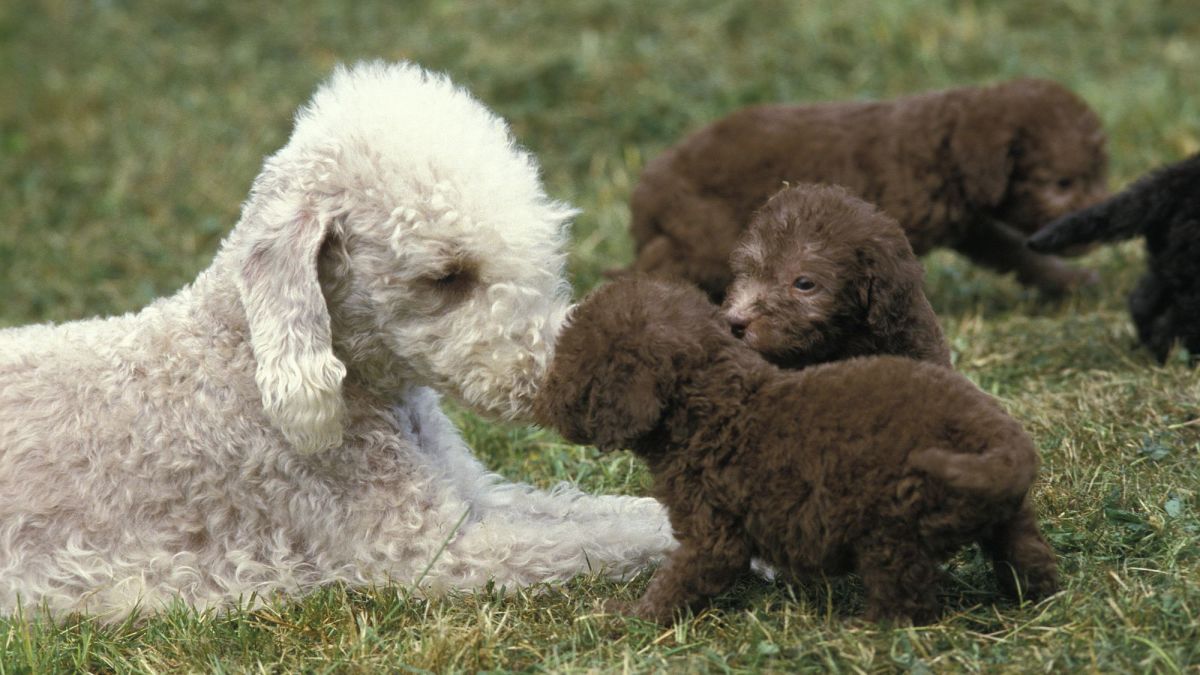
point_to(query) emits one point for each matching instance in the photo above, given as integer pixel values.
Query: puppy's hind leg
(1002, 248)
(1022, 559)
(1150, 307)
(901, 580)
(1191, 340)
(1186, 323)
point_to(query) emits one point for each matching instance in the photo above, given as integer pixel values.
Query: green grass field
(130, 133)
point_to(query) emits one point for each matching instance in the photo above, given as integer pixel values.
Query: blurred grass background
(130, 133)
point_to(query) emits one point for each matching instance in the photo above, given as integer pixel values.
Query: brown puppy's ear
(620, 412)
(885, 290)
(608, 402)
(874, 295)
(983, 146)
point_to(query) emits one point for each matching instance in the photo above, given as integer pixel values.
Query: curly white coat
(275, 425)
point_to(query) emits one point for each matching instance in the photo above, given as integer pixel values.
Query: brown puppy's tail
(999, 472)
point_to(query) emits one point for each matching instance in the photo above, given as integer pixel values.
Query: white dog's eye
(455, 281)
(450, 279)
(804, 284)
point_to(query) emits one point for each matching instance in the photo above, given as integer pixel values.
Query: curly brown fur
(1165, 207)
(975, 169)
(821, 276)
(829, 469)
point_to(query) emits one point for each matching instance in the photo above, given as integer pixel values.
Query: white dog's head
(400, 238)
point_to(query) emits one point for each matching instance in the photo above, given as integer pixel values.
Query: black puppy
(1164, 206)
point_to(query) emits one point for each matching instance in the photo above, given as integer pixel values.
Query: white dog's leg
(520, 535)
(515, 533)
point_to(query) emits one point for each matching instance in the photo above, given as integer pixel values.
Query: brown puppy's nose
(737, 324)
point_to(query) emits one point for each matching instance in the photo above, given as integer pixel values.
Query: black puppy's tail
(999, 472)
(1137, 209)
(1121, 217)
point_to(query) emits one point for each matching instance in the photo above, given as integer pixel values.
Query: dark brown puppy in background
(821, 275)
(881, 465)
(975, 169)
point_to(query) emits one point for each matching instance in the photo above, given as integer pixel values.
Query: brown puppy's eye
(1065, 183)
(803, 284)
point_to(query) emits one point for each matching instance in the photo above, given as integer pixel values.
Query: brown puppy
(880, 465)
(821, 276)
(975, 169)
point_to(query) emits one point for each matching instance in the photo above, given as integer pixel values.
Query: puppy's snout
(1093, 197)
(738, 328)
(737, 324)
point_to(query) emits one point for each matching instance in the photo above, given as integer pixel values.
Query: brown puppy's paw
(618, 607)
(1084, 277)
(1065, 280)
(1032, 584)
(640, 609)
(895, 617)
(882, 617)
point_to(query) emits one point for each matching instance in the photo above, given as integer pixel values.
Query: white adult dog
(274, 426)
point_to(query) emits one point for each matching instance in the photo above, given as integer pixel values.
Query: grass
(130, 132)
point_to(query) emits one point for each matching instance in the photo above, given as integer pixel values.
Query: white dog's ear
(298, 375)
